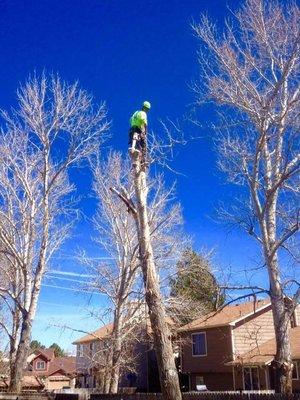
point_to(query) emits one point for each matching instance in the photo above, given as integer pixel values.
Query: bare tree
(139, 209)
(54, 128)
(252, 72)
(116, 279)
(120, 279)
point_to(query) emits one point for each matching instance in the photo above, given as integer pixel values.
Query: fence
(26, 396)
(151, 396)
(198, 396)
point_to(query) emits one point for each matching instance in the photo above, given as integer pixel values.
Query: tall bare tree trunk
(116, 352)
(280, 309)
(107, 374)
(162, 338)
(16, 373)
(281, 318)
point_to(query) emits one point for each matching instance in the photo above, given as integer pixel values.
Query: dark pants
(141, 141)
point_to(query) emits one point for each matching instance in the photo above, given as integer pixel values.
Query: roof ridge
(223, 317)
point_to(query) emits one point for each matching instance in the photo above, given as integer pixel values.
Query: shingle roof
(106, 330)
(100, 333)
(226, 316)
(66, 364)
(28, 381)
(47, 353)
(265, 353)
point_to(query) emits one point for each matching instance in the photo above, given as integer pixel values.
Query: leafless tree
(138, 206)
(252, 72)
(120, 279)
(54, 128)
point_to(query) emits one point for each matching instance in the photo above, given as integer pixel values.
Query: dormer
(41, 361)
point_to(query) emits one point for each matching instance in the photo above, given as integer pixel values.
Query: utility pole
(161, 334)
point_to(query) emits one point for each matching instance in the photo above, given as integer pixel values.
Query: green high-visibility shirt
(139, 119)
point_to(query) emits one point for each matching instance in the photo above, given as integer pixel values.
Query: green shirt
(139, 119)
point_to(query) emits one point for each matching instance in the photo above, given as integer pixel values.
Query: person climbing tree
(138, 130)
(138, 207)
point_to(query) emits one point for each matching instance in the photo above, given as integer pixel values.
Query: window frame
(80, 350)
(39, 363)
(205, 341)
(251, 367)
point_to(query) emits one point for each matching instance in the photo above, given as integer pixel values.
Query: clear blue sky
(123, 52)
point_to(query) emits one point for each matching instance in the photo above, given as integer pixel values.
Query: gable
(59, 372)
(39, 357)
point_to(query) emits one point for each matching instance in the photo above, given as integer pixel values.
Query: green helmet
(147, 105)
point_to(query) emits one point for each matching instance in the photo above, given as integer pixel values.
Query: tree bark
(162, 337)
(280, 309)
(281, 317)
(116, 353)
(16, 373)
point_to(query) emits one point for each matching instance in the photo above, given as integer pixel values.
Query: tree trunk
(162, 338)
(281, 317)
(116, 352)
(16, 373)
(107, 374)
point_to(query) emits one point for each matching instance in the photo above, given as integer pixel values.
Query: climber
(138, 130)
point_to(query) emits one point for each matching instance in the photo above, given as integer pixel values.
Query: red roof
(47, 353)
(65, 364)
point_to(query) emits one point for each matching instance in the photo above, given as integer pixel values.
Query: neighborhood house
(53, 372)
(234, 348)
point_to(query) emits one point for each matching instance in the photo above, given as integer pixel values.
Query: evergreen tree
(35, 345)
(194, 289)
(58, 351)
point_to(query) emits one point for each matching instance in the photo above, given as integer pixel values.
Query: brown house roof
(48, 354)
(28, 382)
(265, 353)
(106, 330)
(226, 316)
(65, 364)
(100, 333)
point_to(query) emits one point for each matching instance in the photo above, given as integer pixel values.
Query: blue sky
(124, 52)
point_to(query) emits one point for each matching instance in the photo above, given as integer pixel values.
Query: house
(254, 369)
(90, 371)
(233, 349)
(88, 350)
(29, 383)
(54, 372)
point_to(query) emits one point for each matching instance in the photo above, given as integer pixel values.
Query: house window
(295, 375)
(199, 344)
(80, 350)
(251, 378)
(40, 365)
